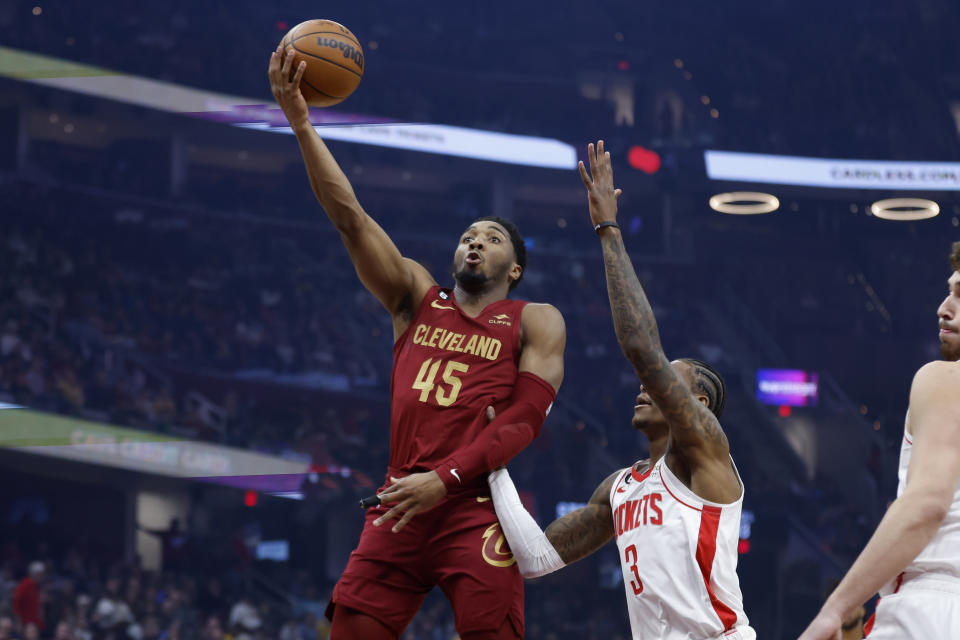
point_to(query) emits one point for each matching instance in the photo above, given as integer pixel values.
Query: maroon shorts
(458, 546)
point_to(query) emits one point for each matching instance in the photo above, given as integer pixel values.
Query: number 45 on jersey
(445, 396)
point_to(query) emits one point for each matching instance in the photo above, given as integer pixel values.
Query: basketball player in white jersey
(913, 558)
(676, 516)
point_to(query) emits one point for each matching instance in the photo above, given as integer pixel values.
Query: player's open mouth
(474, 258)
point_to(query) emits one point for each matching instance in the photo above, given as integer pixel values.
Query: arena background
(195, 384)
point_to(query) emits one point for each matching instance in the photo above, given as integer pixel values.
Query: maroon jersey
(447, 369)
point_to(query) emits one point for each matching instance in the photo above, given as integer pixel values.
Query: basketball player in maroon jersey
(455, 352)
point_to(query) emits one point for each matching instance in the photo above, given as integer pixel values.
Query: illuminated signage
(94, 443)
(787, 387)
(254, 114)
(832, 173)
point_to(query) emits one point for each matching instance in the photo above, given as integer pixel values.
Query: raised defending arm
(693, 428)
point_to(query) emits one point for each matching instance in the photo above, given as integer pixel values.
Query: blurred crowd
(67, 587)
(81, 594)
(184, 324)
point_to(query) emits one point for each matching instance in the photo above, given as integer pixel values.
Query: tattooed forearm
(581, 532)
(639, 339)
(633, 318)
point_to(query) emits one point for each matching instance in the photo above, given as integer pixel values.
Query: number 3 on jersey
(428, 372)
(636, 582)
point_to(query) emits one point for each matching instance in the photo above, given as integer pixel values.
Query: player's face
(949, 315)
(484, 255)
(645, 413)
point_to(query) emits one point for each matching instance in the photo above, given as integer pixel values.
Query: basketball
(334, 60)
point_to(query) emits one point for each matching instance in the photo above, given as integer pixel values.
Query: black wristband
(605, 224)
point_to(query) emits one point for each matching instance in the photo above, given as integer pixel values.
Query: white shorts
(925, 608)
(739, 633)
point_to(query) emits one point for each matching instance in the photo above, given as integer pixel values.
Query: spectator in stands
(244, 619)
(151, 628)
(210, 599)
(82, 629)
(212, 629)
(26, 598)
(64, 632)
(6, 628)
(112, 615)
(174, 542)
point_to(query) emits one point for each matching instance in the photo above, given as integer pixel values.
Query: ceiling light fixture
(905, 209)
(744, 203)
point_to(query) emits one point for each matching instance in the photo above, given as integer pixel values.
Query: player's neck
(473, 302)
(658, 448)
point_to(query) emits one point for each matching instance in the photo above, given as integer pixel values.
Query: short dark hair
(519, 245)
(955, 256)
(709, 381)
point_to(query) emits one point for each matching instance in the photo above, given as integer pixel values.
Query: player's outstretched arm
(913, 518)
(398, 283)
(694, 430)
(566, 540)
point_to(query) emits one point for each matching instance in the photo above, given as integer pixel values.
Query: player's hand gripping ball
(334, 60)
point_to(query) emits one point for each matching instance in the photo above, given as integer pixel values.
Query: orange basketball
(334, 60)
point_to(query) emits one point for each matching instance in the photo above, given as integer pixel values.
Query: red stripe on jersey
(667, 487)
(640, 477)
(706, 550)
(868, 627)
(907, 438)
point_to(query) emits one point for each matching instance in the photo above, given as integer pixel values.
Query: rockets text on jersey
(678, 554)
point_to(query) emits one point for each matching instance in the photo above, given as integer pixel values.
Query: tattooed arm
(567, 539)
(583, 531)
(695, 432)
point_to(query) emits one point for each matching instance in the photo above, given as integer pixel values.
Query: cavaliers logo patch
(495, 549)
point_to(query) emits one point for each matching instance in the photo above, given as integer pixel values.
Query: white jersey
(679, 558)
(942, 555)
(923, 602)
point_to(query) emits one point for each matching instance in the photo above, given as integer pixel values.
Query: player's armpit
(583, 531)
(544, 336)
(934, 422)
(397, 282)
